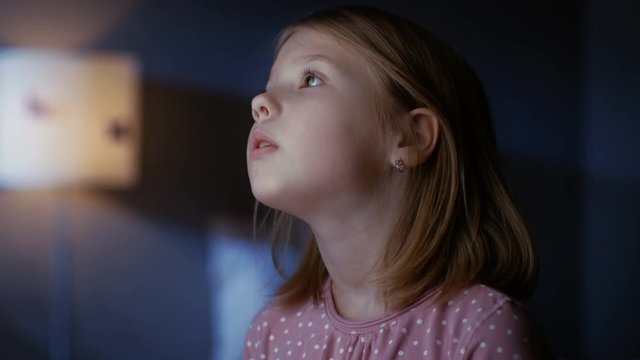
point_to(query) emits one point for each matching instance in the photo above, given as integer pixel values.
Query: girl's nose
(262, 107)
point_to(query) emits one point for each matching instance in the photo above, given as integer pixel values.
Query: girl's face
(315, 146)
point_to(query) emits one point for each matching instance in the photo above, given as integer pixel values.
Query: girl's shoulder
(276, 327)
(469, 306)
(484, 322)
(476, 301)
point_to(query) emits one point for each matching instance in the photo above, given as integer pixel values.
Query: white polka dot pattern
(479, 323)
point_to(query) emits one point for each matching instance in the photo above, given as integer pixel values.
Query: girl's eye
(311, 79)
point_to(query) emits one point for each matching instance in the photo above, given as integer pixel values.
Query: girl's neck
(351, 248)
(362, 304)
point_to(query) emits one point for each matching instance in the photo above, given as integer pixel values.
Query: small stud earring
(399, 165)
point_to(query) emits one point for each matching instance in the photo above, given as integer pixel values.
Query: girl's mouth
(260, 144)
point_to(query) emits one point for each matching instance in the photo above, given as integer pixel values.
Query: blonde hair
(460, 224)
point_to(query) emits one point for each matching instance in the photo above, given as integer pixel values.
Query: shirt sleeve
(254, 340)
(248, 352)
(508, 333)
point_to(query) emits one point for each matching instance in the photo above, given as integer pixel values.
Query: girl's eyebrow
(313, 57)
(331, 62)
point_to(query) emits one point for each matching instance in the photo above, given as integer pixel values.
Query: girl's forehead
(303, 44)
(304, 40)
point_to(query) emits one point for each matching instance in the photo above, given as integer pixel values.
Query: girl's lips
(260, 144)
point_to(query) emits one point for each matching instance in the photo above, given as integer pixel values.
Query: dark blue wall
(562, 78)
(611, 216)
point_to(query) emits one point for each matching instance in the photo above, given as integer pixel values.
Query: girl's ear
(425, 127)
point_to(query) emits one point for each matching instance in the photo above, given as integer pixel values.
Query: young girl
(379, 137)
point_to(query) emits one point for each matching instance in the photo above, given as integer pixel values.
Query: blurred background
(164, 267)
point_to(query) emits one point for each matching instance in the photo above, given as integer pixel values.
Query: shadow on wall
(193, 160)
(193, 168)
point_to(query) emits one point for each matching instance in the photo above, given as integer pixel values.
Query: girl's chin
(280, 201)
(272, 199)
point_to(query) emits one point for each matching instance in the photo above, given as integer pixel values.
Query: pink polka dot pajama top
(478, 323)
